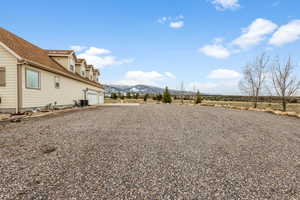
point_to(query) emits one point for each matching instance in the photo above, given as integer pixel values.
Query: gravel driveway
(152, 152)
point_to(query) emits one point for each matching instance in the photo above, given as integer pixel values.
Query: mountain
(141, 89)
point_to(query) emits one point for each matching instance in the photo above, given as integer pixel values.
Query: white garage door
(101, 98)
(93, 98)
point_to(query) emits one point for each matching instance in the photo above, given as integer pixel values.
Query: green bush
(128, 95)
(146, 97)
(198, 98)
(114, 96)
(159, 97)
(137, 95)
(167, 96)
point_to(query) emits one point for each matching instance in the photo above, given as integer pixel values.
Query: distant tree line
(264, 80)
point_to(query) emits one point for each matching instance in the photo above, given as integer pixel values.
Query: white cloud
(174, 22)
(97, 51)
(286, 34)
(226, 4)
(95, 57)
(224, 74)
(202, 86)
(255, 33)
(216, 51)
(180, 17)
(219, 40)
(78, 48)
(145, 78)
(226, 82)
(177, 24)
(162, 20)
(217, 87)
(170, 75)
(141, 77)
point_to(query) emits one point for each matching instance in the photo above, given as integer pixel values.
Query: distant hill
(141, 89)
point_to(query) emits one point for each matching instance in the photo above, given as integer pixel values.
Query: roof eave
(26, 61)
(10, 51)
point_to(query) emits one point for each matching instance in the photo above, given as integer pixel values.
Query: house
(32, 77)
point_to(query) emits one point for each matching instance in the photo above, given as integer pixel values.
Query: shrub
(136, 96)
(198, 98)
(128, 95)
(146, 97)
(114, 96)
(159, 97)
(167, 96)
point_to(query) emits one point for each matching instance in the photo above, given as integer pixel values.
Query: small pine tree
(146, 97)
(128, 95)
(159, 97)
(122, 96)
(137, 95)
(119, 95)
(167, 96)
(198, 98)
(114, 96)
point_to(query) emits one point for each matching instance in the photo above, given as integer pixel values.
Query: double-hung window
(72, 68)
(2, 76)
(57, 82)
(33, 79)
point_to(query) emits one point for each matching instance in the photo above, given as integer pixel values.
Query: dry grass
(4, 116)
(237, 104)
(261, 105)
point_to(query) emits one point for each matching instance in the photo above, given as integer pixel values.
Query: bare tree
(284, 82)
(254, 76)
(182, 91)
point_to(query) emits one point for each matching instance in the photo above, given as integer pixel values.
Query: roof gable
(36, 55)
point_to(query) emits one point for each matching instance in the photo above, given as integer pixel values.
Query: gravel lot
(152, 152)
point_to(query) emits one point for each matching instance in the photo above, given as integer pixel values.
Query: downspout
(85, 95)
(19, 88)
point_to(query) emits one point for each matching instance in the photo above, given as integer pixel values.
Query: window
(32, 79)
(82, 73)
(72, 64)
(2, 76)
(56, 82)
(72, 68)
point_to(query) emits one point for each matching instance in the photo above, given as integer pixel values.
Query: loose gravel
(151, 152)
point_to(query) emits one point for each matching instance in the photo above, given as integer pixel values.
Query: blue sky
(204, 43)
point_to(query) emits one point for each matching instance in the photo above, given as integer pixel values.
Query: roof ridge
(36, 55)
(7, 31)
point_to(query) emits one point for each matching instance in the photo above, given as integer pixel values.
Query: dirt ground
(151, 152)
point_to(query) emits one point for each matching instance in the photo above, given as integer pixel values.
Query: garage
(93, 98)
(101, 98)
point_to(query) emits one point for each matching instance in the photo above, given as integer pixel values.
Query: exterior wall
(69, 90)
(8, 93)
(81, 68)
(71, 62)
(90, 74)
(64, 61)
(78, 69)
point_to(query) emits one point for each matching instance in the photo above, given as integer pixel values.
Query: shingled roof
(37, 56)
(64, 52)
(80, 60)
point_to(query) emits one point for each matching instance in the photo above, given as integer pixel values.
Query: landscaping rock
(47, 148)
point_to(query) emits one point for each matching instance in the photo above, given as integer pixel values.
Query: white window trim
(57, 80)
(39, 79)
